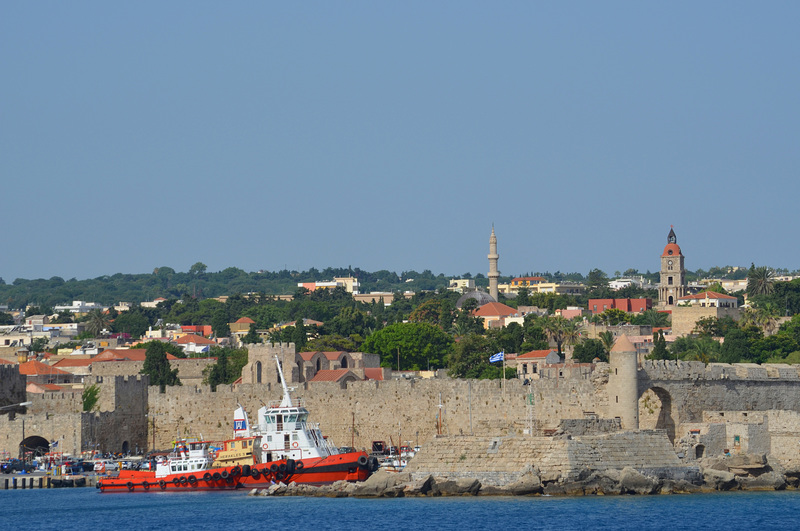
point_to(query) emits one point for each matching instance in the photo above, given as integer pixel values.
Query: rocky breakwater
(632, 462)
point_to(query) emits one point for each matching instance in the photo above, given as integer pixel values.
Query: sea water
(85, 508)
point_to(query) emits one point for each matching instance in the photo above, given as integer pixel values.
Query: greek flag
(54, 444)
(500, 356)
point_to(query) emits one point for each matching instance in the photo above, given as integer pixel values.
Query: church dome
(481, 296)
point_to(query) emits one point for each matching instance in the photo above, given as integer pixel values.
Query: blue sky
(378, 135)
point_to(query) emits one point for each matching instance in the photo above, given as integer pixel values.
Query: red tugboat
(188, 467)
(293, 450)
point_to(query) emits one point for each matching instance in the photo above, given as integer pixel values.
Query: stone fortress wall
(683, 399)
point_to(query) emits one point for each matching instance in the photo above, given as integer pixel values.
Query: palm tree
(760, 281)
(96, 322)
(607, 338)
(554, 328)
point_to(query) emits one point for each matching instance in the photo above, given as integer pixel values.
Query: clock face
(669, 262)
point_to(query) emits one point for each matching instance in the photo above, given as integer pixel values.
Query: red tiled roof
(373, 374)
(307, 355)
(67, 362)
(6, 362)
(333, 356)
(541, 279)
(332, 375)
(246, 320)
(494, 308)
(535, 354)
(194, 338)
(706, 294)
(36, 368)
(133, 354)
(51, 388)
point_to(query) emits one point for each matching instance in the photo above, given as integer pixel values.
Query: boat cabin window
(291, 418)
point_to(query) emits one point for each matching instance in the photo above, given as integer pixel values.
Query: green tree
(588, 350)
(334, 343)
(252, 336)
(39, 344)
(596, 279)
(561, 331)
(607, 339)
(228, 367)
(96, 322)
(614, 316)
(659, 351)
(132, 322)
(760, 280)
(419, 344)
(470, 359)
(90, 397)
(6, 319)
(219, 323)
(157, 367)
(300, 336)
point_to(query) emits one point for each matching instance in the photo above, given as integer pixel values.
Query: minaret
(494, 274)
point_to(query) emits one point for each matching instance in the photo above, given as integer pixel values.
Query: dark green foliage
(334, 343)
(132, 322)
(90, 397)
(586, 351)
(420, 346)
(6, 319)
(228, 367)
(157, 367)
(738, 345)
(470, 358)
(38, 344)
(659, 351)
(508, 339)
(252, 336)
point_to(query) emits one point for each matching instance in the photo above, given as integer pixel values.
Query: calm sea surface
(85, 508)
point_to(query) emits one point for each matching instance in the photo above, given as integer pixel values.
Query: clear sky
(380, 135)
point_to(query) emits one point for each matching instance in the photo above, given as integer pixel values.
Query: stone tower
(672, 285)
(623, 383)
(494, 274)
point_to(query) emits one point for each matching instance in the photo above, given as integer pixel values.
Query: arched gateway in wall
(655, 411)
(34, 444)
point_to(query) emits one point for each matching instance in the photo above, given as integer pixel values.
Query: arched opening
(258, 372)
(344, 362)
(34, 445)
(319, 364)
(699, 450)
(670, 300)
(126, 447)
(655, 411)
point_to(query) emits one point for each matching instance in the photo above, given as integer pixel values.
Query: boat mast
(287, 398)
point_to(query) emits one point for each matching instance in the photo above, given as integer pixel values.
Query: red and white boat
(293, 450)
(187, 467)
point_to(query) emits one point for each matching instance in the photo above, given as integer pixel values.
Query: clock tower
(673, 276)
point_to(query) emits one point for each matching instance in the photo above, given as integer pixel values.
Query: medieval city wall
(404, 410)
(12, 385)
(190, 370)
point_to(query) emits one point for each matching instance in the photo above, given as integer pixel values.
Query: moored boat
(187, 467)
(293, 450)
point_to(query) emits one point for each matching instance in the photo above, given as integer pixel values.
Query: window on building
(669, 280)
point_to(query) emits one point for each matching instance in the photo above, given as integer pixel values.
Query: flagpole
(504, 374)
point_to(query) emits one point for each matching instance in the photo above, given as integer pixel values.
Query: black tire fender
(299, 465)
(246, 470)
(217, 476)
(162, 484)
(362, 460)
(146, 485)
(273, 467)
(129, 485)
(224, 474)
(207, 476)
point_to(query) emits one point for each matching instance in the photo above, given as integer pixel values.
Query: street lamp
(21, 404)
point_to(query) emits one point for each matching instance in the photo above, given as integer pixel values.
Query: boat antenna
(287, 398)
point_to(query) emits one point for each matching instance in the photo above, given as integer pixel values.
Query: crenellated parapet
(662, 370)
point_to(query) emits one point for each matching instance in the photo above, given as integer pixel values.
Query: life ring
(298, 465)
(129, 485)
(295, 444)
(362, 460)
(162, 484)
(207, 476)
(146, 485)
(217, 476)
(265, 446)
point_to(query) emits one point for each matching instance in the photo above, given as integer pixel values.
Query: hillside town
(550, 355)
